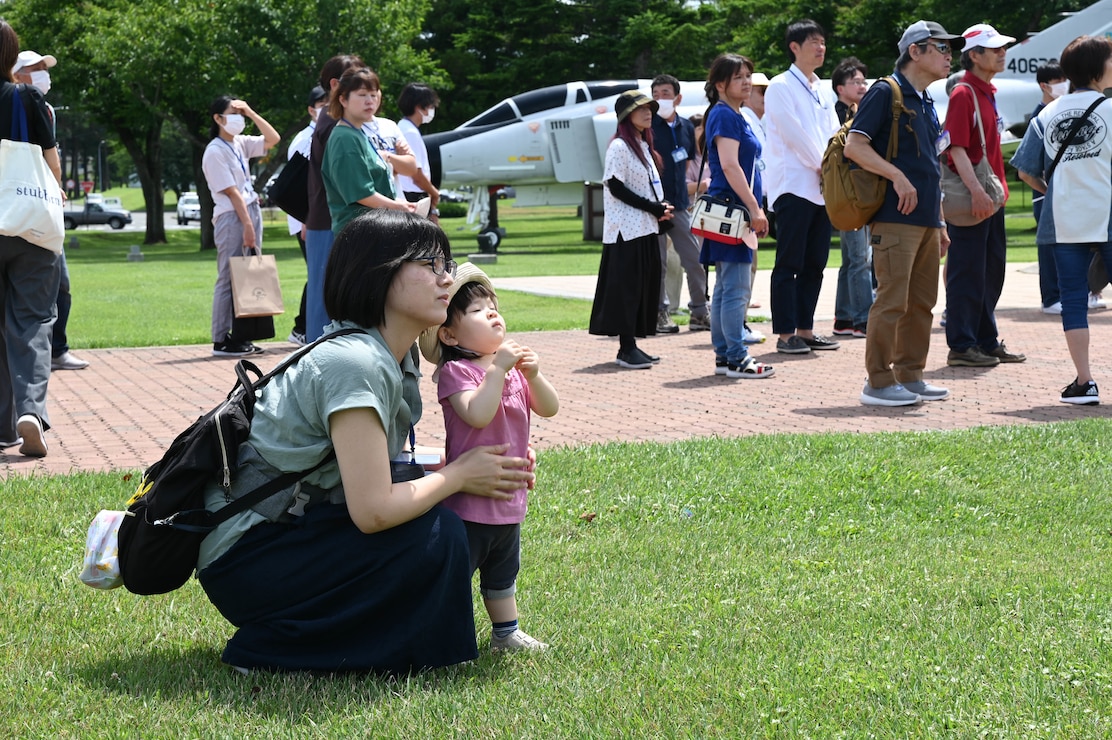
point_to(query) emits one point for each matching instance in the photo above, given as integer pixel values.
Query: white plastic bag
(102, 551)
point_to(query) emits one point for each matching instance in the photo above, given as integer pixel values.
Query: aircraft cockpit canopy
(549, 98)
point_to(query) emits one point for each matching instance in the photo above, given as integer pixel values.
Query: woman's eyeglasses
(439, 265)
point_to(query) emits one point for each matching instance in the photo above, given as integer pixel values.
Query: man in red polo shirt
(975, 265)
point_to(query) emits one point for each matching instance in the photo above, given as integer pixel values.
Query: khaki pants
(905, 259)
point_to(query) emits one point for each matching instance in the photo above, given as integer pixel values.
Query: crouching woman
(371, 575)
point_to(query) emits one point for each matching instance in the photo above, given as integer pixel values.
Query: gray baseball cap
(920, 31)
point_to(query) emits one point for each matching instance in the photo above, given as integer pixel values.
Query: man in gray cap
(908, 232)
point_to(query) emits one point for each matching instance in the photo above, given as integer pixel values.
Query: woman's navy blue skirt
(318, 594)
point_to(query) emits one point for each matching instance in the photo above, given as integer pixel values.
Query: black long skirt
(320, 595)
(627, 294)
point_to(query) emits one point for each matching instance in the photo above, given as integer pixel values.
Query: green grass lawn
(167, 298)
(887, 585)
(884, 585)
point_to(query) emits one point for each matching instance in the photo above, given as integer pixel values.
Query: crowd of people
(761, 144)
(369, 566)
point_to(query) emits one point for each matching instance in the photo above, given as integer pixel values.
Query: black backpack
(160, 538)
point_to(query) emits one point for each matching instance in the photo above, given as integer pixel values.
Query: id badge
(679, 154)
(942, 143)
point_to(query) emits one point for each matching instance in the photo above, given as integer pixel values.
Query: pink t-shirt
(510, 424)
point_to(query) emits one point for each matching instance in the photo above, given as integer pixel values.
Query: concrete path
(128, 405)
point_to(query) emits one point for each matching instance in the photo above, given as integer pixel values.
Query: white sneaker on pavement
(34, 438)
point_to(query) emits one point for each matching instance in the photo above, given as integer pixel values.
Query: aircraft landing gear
(490, 235)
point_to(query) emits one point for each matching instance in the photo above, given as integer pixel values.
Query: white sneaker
(34, 439)
(67, 361)
(752, 336)
(297, 338)
(1096, 302)
(516, 640)
(1055, 309)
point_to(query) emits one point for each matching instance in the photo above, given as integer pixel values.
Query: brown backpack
(853, 195)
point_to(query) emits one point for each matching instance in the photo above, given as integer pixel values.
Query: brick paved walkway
(125, 408)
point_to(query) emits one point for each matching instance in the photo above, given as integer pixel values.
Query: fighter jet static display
(546, 143)
(549, 143)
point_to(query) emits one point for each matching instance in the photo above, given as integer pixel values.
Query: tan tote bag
(256, 290)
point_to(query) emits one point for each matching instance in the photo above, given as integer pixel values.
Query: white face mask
(428, 115)
(667, 108)
(234, 124)
(41, 80)
(1058, 89)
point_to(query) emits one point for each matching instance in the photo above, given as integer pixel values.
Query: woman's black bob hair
(366, 256)
(217, 108)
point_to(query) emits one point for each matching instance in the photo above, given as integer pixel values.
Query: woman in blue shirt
(732, 153)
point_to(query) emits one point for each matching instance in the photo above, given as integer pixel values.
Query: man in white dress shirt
(799, 121)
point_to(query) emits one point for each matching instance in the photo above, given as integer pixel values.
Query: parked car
(94, 214)
(448, 195)
(189, 208)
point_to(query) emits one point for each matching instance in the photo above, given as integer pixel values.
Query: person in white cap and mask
(32, 68)
(975, 265)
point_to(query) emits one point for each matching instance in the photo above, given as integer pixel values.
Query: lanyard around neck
(807, 86)
(239, 159)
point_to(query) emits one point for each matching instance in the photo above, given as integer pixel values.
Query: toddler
(488, 385)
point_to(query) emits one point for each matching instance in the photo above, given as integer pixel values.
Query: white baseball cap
(760, 79)
(985, 36)
(29, 58)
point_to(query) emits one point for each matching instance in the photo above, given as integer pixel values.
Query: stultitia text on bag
(39, 193)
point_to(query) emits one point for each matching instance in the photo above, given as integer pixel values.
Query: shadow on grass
(162, 673)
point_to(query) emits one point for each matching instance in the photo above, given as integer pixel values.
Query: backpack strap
(897, 109)
(268, 489)
(1074, 129)
(977, 121)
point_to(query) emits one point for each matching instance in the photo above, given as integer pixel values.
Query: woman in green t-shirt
(356, 177)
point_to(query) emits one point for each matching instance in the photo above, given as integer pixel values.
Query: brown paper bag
(255, 287)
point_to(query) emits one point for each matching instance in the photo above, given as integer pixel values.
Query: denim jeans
(318, 245)
(802, 250)
(1072, 261)
(1048, 270)
(855, 278)
(732, 290)
(29, 277)
(59, 343)
(975, 267)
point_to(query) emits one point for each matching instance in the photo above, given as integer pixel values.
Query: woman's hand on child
(487, 471)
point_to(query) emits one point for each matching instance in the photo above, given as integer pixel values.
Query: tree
(140, 66)
(494, 51)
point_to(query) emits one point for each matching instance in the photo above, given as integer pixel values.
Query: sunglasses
(942, 47)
